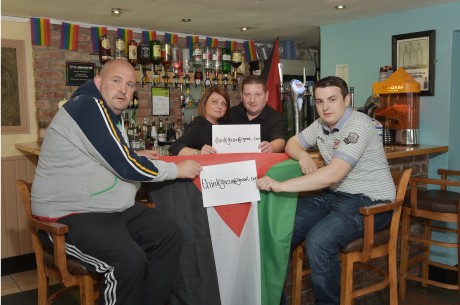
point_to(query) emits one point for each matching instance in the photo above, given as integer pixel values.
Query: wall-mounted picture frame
(15, 113)
(160, 101)
(416, 53)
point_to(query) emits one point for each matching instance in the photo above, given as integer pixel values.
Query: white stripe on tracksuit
(110, 296)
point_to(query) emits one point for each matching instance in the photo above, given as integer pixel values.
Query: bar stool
(358, 253)
(429, 204)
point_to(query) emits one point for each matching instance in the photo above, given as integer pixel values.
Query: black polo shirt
(273, 125)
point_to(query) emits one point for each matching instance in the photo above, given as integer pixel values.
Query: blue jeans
(328, 221)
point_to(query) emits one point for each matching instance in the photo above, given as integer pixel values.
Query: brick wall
(49, 63)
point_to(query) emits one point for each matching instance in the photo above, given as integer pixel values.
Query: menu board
(77, 73)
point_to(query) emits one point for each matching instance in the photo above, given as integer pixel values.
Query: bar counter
(392, 151)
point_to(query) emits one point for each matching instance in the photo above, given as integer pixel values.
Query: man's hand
(268, 184)
(149, 154)
(188, 169)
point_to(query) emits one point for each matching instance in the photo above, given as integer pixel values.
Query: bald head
(116, 83)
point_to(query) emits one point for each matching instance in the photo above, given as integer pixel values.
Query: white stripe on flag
(237, 259)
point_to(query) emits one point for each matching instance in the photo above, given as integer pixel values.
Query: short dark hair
(254, 79)
(332, 81)
(204, 99)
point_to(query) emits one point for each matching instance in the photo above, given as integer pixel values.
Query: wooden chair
(359, 252)
(429, 204)
(55, 264)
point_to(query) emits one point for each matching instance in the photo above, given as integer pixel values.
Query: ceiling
(298, 20)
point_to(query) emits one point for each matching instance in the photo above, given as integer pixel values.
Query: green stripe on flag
(276, 222)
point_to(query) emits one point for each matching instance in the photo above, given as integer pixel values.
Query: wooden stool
(433, 204)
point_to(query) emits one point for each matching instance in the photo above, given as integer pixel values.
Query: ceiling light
(116, 11)
(244, 29)
(340, 7)
(186, 19)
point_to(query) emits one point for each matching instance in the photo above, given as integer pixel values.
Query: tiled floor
(18, 282)
(416, 295)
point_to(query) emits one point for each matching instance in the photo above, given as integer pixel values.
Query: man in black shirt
(254, 110)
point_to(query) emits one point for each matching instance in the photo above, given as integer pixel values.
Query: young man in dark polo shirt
(254, 110)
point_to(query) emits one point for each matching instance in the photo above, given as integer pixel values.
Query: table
(197, 279)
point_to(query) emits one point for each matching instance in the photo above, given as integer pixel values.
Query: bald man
(87, 178)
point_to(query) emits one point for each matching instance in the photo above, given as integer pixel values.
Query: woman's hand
(207, 149)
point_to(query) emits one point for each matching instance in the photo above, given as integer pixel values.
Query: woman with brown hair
(212, 109)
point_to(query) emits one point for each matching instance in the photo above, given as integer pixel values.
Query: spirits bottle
(352, 97)
(153, 135)
(135, 100)
(126, 122)
(197, 55)
(119, 44)
(105, 51)
(161, 133)
(226, 65)
(132, 53)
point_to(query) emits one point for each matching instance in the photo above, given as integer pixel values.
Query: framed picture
(15, 114)
(415, 52)
(160, 101)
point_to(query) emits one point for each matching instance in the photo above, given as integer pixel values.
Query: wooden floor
(416, 295)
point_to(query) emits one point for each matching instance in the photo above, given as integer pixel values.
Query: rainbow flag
(126, 35)
(250, 53)
(229, 44)
(40, 30)
(96, 33)
(189, 41)
(171, 38)
(148, 35)
(212, 42)
(69, 36)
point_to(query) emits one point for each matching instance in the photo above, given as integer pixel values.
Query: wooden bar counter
(392, 151)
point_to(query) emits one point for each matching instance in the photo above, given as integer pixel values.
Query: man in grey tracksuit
(87, 178)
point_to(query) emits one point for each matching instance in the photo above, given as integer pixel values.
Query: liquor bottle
(145, 135)
(119, 45)
(226, 65)
(153, 135)
(135, 100)
(143, 54)
(188, 98)
(105, 51)
(237, 58)
(155, 52)
(197, 55)
(166, 60)
(207, 58)
(126, 123)
(171, 133)
(161, 133)
(132, 52)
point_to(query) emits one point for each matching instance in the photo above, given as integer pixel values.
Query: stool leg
(296, 279)
(426, 253)
(405, 227)
(346, 280)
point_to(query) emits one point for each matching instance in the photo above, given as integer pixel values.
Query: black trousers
(136, 250)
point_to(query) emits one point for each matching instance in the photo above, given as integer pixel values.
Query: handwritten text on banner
(229, 183)
(242, 138)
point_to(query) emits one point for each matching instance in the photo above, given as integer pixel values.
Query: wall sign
(160, 101)
(77, 73)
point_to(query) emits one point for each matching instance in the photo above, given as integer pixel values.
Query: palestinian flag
(244, 260)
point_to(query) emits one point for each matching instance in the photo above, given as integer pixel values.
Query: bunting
(40, 30)
(126, 35)
(171, 38)
(212, 42)
(229, 44)
(189, 41)
(147, 36)
(96, 33)
(69, 36)
(250, 53)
